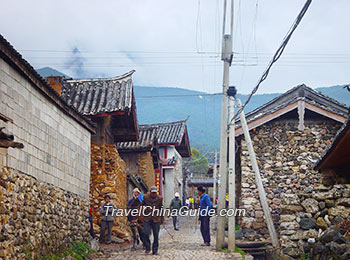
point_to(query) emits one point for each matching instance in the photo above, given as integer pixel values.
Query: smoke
(75, 63)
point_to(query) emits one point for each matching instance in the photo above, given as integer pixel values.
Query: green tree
(197, 163)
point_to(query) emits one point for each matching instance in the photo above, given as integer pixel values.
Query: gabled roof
(174, 133)
(314, 101)
(147, 140)
(15, 59)
(170, 133)
(338, 152)
(99, 96)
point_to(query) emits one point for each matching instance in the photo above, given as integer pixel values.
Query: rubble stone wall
(37, 218)
(302, 207)
(146, 169)
(108, 176)
(56, 147)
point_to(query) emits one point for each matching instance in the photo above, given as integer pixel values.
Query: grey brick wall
(56, 147)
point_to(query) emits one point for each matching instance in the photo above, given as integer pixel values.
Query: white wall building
(173, 146)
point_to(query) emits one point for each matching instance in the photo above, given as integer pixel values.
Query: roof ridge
(329, 98)
(301, 86)
(125, 75)
(275, 99)
(158, 124)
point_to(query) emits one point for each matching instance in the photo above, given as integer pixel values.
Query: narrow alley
(186, 244)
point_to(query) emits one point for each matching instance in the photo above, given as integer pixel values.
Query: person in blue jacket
(204, 207)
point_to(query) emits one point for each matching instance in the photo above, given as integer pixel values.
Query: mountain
(47, 71)
(338, 92)
(164, 104)
(167, 104)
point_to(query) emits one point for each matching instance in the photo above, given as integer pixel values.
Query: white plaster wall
(168, 187)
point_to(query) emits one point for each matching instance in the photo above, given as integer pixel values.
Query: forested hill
(164, 104)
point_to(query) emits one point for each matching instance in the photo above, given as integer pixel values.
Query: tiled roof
(170, 133)
(301, 92)
(98, 96)
(10, 54)
(147, 139)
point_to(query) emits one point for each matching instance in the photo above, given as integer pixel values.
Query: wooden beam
(262, 120)
(301, 114)
(8, 143)
(5, 118)
(262, 194)
(325, 113)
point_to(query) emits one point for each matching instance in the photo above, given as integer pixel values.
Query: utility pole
(226, 57)
(258, 180)
(215, 177)
(231, 178)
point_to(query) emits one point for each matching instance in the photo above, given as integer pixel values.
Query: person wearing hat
(204, 207)
(106, 212)
(135, 222)
(150, 202)
(175, 205)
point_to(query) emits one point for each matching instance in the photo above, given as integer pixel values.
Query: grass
(78, 250)
(237, 250)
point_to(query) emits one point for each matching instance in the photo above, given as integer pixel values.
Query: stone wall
(108, 176)
(294, 191)
(146, 169)
(310, 212)
(56, 147)
(37, 218)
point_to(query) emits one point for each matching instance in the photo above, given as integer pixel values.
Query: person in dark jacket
(106, 211)
(135, 222)
(152, 221)
(204, 207)
(175, 206)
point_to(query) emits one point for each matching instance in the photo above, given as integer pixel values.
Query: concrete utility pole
(215, 177)
(258, 180)
(231, 178)
(226, 57)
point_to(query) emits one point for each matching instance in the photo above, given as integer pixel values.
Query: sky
(177, 43)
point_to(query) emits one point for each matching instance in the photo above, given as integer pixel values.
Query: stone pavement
(185, 245)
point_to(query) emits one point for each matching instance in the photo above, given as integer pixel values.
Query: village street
(185, 245)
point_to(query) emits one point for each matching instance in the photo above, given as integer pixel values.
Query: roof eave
(10, 55)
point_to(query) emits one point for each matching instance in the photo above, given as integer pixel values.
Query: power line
(277, 55)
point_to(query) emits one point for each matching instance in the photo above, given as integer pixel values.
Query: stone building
(289, 134)
(44, 187)
(173, 142)
(110, 104)
(335, 162)
(334, 166)
(142, 159)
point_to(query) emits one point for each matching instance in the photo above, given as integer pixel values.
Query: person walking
(204, 207)
(106, 212)
(175, 206)
(152, 219)
(135, 222)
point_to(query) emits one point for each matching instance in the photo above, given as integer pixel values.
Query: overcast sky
(176, 42)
